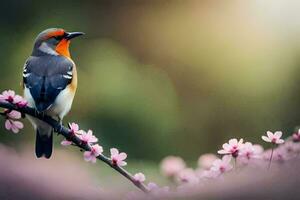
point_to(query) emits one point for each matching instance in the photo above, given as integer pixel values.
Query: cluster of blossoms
(12, 116)
(236, 155)
(117, 158)
(87, 138)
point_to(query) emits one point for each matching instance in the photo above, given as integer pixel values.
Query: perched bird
(50, 82)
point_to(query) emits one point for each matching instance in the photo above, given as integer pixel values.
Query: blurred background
(166, 77)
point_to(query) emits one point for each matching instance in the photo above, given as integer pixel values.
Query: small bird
(49, 83)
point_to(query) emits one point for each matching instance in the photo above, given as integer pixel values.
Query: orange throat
(63, 48)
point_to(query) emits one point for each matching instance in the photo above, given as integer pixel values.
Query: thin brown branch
(66, 132)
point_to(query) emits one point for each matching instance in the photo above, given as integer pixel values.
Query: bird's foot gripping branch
(15, 106)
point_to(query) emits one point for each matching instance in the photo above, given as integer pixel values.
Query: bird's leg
(60, 122)
(41, 113)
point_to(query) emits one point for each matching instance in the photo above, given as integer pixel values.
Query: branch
(66, 132)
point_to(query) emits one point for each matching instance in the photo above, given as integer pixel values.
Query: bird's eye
(58, 37)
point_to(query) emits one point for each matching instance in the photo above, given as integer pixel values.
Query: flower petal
(14, 114)
(114, 151)
(122, 156)
(270, 134)
(280, 141)
(122, 163)
(18, 125)
(223, 151)
(278, 134)
(233, 141)
(8, 124)
(265, 138)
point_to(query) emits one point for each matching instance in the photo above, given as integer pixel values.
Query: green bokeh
(163, 77)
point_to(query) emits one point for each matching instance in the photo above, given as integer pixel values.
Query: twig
(270, 161)
(66, 132)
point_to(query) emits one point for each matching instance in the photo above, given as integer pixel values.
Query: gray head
(54, 41)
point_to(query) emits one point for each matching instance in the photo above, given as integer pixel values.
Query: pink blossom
(12, 114)
(7, 95)
(250, 151)
(288, 150)
(232, 147)
(91, 155)
(14, 126)
(118, 158)
(20, 101)
(11, 97)
(10, 124)
(139, 177)
(296, 136)
(88, 137)
(74, 129)
(205, 161)
(187, 175)
(273, 138)
(222, 166)
(171, 165)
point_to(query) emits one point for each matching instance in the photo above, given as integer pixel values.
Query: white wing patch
(67, 76)
(25, 73)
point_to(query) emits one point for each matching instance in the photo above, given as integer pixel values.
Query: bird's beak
(72, 35)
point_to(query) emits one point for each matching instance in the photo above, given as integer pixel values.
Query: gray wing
(46, 77)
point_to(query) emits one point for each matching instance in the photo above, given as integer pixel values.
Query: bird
(49, 83)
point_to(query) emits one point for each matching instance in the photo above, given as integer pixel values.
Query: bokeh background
(166, 77)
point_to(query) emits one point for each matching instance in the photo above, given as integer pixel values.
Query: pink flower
(91, 156)
(273, 138)
(187, 175)
(232, 147)
(288, 150)
(88, 137)
(14, 126)
(11, 97)
(10, 124)
(249, 151)
(296, 136)
(12, 114)
(74, 129)
(20, 101)
(139, 177)
(8, 95)
(222, 166)
(171, 165)
(205, 161)
(118, 158)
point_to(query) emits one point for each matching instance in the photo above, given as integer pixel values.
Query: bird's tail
(44, 142)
